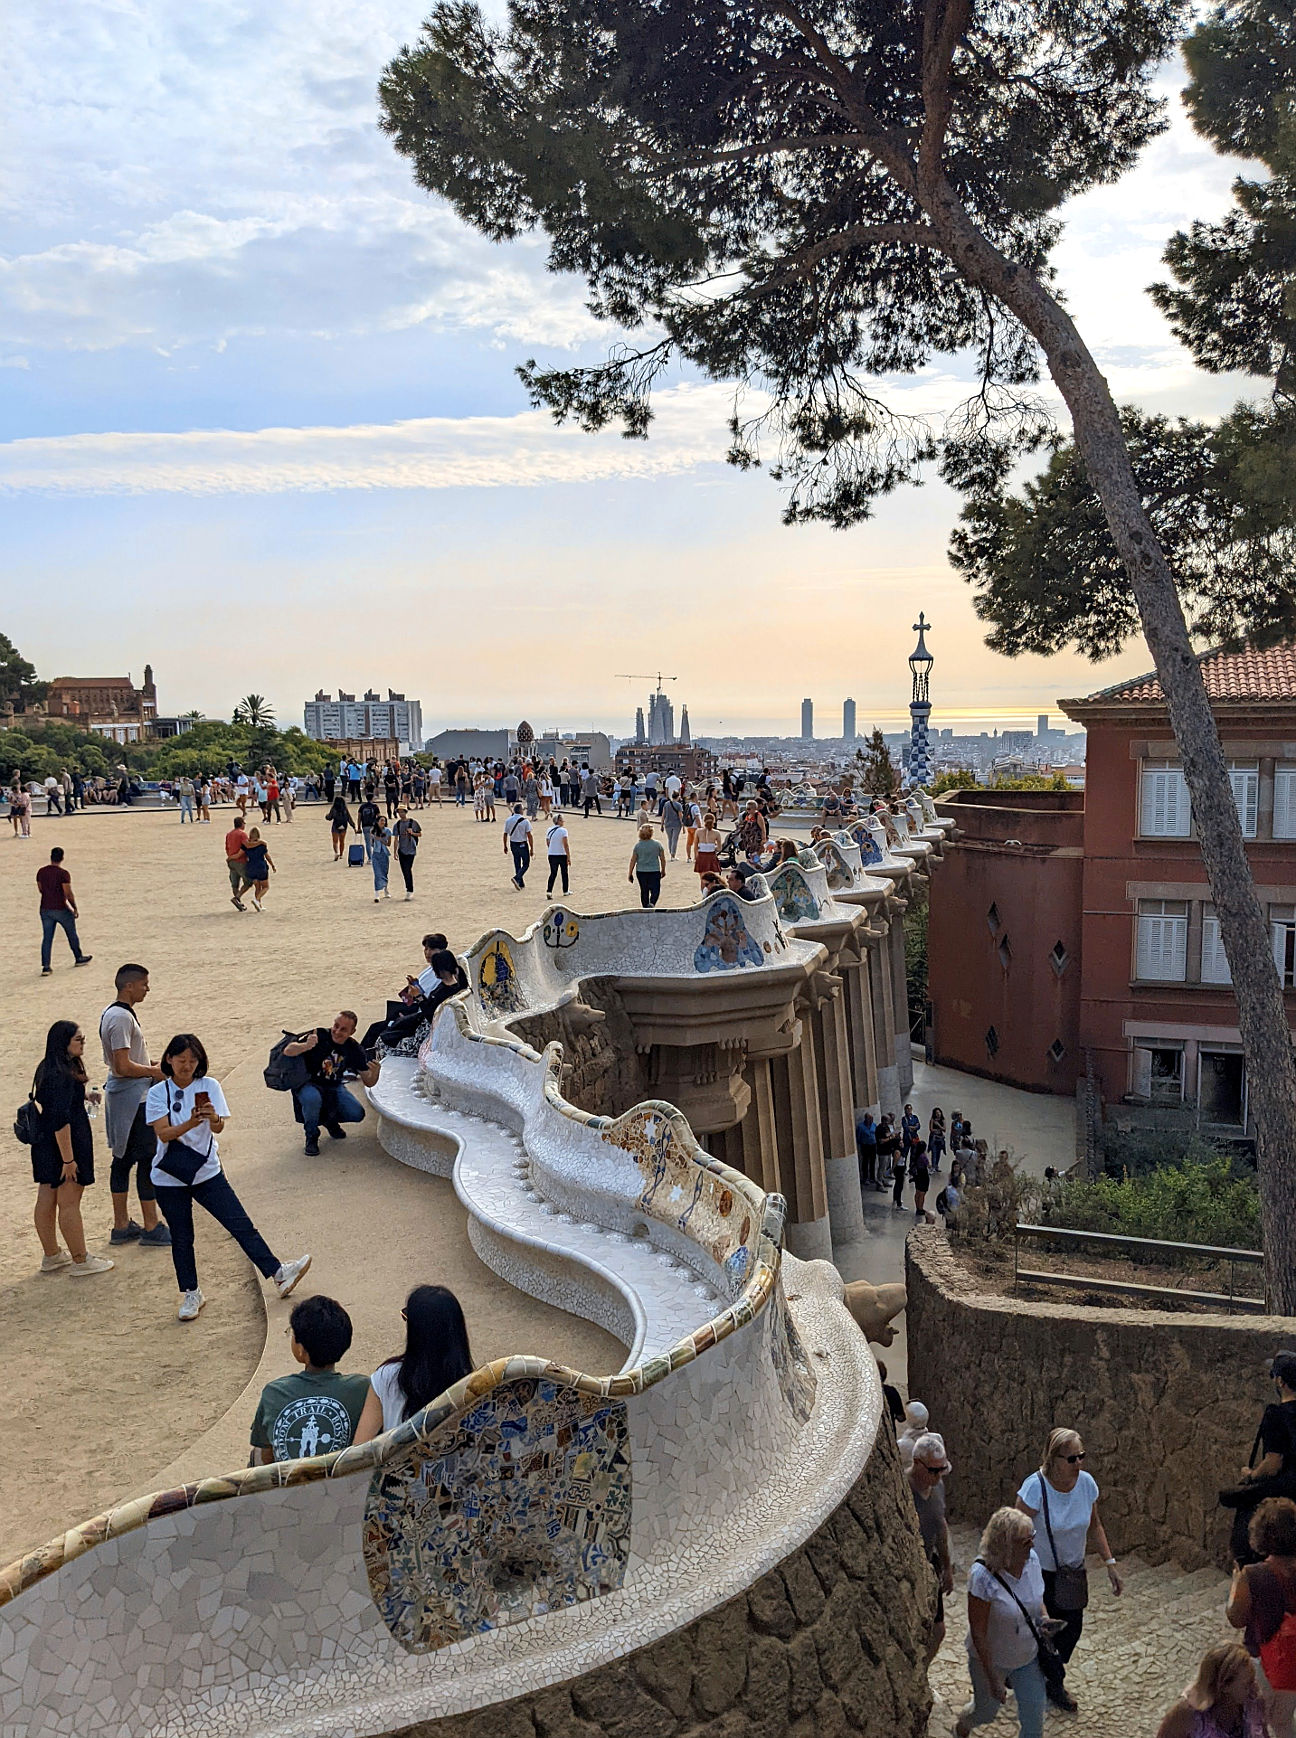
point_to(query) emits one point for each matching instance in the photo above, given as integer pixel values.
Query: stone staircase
(1135, 1656)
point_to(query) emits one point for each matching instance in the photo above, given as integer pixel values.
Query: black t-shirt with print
(368, 814)
(328, 1061)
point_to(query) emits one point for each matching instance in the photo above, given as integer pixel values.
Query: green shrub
(1210, 1200)
(1136, 1152)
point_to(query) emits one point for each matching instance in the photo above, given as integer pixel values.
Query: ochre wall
(1167, 1404)
(829, 1643)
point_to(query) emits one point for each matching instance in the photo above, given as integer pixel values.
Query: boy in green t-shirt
(314, 1411)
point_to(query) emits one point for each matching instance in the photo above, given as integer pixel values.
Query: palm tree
(254, 709)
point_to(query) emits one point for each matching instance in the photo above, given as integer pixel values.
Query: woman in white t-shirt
(1005, 1597)
(558, 847)
(436, 1356)
(1064, 1498)
(186, 1110)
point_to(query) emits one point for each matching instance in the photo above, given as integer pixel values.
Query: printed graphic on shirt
(314, 1424)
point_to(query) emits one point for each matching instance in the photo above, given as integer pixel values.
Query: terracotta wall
(828, 1642)
(982, 975)
(1167, 1404)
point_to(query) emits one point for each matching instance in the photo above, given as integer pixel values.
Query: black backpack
(286, 1073)
(27, 1122)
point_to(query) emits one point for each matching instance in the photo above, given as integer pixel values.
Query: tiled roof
(1247, 674)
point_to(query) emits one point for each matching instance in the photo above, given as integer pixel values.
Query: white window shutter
(1162, 950)
(1284, 814)
(1246, 797)
(1165, 810)
(1214, 962)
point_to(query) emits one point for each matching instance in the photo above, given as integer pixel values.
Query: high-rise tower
(641, 735)
(685, 735)
(848, 720)
(920, 663)
(807, 719)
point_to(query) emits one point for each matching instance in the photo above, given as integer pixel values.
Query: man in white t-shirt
(674, 784)
(558, 846)
(517, 839)
(434, 784)
(130, 1140)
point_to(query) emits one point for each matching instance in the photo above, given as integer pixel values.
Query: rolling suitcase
(355, 856)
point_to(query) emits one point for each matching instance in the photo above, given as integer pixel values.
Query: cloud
(424, 453)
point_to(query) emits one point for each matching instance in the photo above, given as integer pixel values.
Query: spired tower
(685, 735)
(920, 663)
(641, 735)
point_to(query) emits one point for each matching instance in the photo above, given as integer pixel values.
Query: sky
(260, 426)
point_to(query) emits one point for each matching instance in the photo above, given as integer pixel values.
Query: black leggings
(219, 1199)
(557, 867)
(141, 1144)
(649, 886)
(407, 870)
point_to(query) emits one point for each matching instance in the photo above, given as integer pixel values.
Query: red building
(1149, 1005)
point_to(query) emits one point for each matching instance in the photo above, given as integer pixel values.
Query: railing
(1129, 1288)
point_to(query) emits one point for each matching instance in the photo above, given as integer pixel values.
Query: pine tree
(877, 771)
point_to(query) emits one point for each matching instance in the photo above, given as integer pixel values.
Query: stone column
(795, 1083)
(858, 1003)
(882, 994)
(826, 1024)
(900, 997)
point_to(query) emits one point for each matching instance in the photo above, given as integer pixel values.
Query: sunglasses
(1073, 1459)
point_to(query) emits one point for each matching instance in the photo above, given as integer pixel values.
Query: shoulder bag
(1071, 1580)
(1051, 1663)
(178, 1159)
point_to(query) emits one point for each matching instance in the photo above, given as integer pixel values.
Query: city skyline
(268, 384)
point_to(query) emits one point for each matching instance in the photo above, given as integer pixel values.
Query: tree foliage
(1222, 498)
(878, 773)
(254, 709)
(780, 196)
(960, 778)
(18, 680)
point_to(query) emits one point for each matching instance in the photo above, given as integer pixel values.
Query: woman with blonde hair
(1005, 1612)
(1062, 1499)
(1221, 1702)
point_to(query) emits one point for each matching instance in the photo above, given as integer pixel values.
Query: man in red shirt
(236, 862)
(58, 910)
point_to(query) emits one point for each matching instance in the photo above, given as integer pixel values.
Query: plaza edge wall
(1167, 1404)
(826, 1643)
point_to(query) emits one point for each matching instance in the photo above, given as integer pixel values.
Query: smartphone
(202, 1100)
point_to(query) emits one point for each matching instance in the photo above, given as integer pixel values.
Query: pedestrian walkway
(1039, 1130)
(1135, 1656)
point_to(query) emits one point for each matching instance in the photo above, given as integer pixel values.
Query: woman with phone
(186, 1110)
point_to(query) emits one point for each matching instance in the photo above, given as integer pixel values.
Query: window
(1282, 927)
(1244, 776)
(1164, 811)
(1161, 954)
(1158, 1072)
(1221, 1088)
(1056, 1050)
(1284, 815)
(992, 1041)
(1214, 965)
(1005, 952)
(994, 920)
(1059, 958)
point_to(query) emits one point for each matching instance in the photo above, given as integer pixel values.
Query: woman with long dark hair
(63, 1152)
(340, 822)
(436, 1356)
(186, 1110)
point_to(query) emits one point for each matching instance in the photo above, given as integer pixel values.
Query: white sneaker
(91, 1264)
(290, 1273)
(55, 1263)
(190, 1304)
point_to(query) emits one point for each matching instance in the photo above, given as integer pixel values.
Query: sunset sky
(260, 424)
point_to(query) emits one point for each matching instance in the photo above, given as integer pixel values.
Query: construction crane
(641, 676)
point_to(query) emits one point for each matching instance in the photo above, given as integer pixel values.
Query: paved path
(1135, 1656)
(1039, 1129)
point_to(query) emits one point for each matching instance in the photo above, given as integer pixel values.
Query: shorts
(47, 1166)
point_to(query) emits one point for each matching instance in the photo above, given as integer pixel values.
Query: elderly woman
(1005, 1609)
(1063, 1500)
(1262, 1601)
(1221, 1702)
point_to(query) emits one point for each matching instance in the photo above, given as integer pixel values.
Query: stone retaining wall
(1167, 1404)
(828, 1644)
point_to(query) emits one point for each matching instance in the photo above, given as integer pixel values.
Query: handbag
(1070, 1580)
(1051, 1664)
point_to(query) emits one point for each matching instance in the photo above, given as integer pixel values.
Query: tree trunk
(1262, 1015)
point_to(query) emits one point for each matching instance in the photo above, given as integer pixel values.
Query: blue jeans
(1026, 1684)
(326, 1104)
(186, 807)
(521, 862)
(65, 921)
